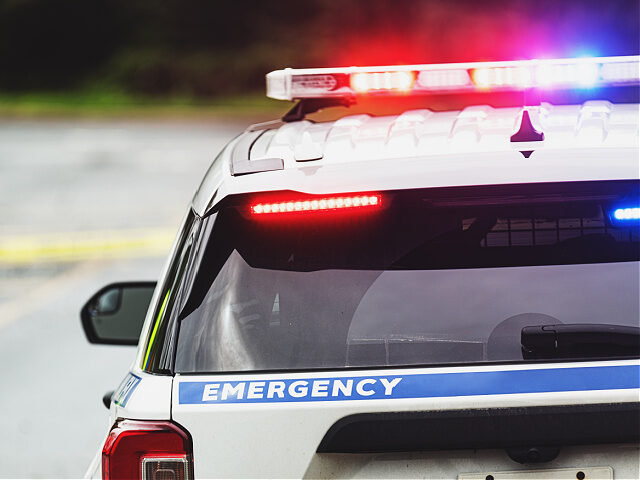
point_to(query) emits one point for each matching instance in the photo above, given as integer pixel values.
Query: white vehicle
(433, 294)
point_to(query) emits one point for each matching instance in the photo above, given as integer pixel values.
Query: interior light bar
(292, 84)
(313, 204)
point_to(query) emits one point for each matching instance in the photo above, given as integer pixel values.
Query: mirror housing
(115, 314)
(106, 398)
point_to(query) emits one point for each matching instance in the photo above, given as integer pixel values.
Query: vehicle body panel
(449, 464)
(418, 149)
(140, 396)
(422, 149)
(267, 439)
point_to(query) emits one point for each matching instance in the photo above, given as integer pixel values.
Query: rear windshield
(434, 276)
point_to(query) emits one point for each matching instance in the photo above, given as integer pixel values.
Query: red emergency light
(318, 204)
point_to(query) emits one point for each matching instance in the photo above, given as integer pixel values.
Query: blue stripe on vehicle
(425, 385)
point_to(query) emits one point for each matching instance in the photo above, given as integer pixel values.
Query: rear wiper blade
(579, 340)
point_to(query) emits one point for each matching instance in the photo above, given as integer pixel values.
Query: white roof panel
(421, 148)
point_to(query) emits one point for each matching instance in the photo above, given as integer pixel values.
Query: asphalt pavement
(82, 204)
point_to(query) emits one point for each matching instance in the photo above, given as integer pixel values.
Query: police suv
(432, 294)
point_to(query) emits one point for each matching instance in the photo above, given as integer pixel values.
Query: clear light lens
(165, 468)
(620, 72)
(320, 204)
(391, 81)
(632, 213)
(588, 74)
(443, 79)
(580, 75)
(502, 77)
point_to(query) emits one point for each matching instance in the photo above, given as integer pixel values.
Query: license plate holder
(588, 473)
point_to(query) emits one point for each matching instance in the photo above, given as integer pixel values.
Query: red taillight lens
(147, 450)
(318, 204)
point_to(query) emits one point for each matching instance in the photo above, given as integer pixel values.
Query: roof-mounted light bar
(293, 84)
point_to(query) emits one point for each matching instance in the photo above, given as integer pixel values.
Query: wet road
(78, 185)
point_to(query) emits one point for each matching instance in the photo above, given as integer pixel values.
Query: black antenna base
(527, 133)
(305, 106)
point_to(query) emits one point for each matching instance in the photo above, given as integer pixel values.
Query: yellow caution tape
(76, 246)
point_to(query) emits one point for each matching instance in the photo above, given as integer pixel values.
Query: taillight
(147, 450)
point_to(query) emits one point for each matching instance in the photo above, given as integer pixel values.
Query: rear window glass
(434, 276)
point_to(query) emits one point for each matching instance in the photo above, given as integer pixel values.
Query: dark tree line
(208, 48)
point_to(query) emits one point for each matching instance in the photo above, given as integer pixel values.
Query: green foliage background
(190, 50)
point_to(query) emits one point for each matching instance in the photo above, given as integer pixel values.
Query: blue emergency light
(626, 215)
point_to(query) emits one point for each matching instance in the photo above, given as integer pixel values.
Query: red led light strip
(318, 204)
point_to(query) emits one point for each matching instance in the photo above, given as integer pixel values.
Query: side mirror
(115, 314)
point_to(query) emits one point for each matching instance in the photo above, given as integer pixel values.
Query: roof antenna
(526, 132)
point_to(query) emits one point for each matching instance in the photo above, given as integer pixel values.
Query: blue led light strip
(631, 213)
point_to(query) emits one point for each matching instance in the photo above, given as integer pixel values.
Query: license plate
(590, 473)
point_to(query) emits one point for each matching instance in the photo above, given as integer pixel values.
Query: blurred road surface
(65, 187)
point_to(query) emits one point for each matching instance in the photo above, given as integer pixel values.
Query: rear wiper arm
(579, 340)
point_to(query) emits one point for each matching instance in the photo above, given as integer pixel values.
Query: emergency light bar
(292, 84)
